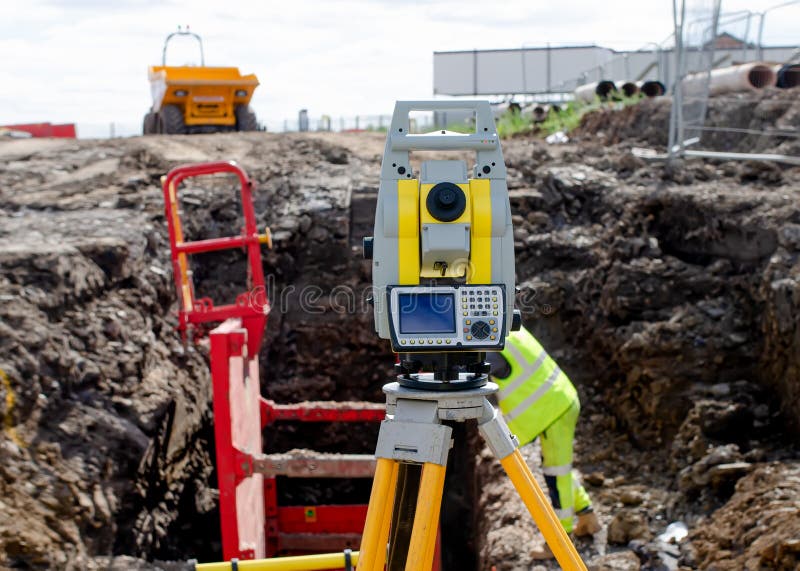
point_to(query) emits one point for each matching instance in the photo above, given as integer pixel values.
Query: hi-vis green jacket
(536, 392)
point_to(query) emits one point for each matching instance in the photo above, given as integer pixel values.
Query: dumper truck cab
(198, 99)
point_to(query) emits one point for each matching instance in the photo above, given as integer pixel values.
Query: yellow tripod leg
(376, 531)
(430, 549)
(542, 512)
(426, 518)
(386, 522)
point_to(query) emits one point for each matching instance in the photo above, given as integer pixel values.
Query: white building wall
(562, 69)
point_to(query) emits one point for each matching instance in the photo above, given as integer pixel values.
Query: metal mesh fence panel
(728, 99)
(696, 24)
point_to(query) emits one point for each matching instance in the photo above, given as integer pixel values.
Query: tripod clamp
(416, 434)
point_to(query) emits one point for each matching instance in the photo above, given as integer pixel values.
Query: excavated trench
(355, 370)
(714, 261)
(669, 296)
(319, 346)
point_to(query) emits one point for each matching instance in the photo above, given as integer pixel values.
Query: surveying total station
(443, 278)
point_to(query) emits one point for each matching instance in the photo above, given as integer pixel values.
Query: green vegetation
(567, 118)
(463, 127)
(376, 128)
(512, 123)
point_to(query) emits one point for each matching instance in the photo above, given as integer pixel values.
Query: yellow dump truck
(198, 99)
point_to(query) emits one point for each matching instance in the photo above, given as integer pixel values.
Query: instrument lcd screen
(427, 313)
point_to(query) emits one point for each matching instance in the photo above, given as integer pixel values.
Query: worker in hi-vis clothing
(538, 399)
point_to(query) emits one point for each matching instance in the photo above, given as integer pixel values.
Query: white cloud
(86, 60)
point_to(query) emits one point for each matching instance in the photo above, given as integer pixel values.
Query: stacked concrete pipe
(602, 89)
(787, 75)
(539, 112)
(736, 78)
(651, 88)
(629, 88)
(500, 109)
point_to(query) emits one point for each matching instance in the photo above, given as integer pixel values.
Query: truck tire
(171, 120)
(245, 119)
(149, 124)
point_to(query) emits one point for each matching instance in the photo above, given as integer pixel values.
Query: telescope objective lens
(446, 202)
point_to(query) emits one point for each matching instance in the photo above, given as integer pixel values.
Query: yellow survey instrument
(444, 282)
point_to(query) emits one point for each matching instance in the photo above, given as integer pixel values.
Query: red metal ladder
(253, 524)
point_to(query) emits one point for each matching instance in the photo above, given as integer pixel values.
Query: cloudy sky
(85, 61)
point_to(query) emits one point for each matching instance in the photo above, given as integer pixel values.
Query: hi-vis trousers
(566, 492)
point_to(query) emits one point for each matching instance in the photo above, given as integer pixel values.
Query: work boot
(587, 524)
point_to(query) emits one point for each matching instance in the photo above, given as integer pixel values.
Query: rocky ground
(670, 296)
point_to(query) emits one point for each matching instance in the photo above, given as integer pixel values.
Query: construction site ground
(669, 295)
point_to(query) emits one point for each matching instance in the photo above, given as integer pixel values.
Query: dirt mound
(646, 122)
(766, 121)
(658, 292)
(759, 527)
(669, 296)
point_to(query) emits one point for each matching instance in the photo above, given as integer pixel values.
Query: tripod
(413, 434)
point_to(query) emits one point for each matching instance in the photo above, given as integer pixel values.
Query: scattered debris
(557, 138)
(675, 533)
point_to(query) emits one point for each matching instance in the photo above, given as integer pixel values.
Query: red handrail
(252, 305)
